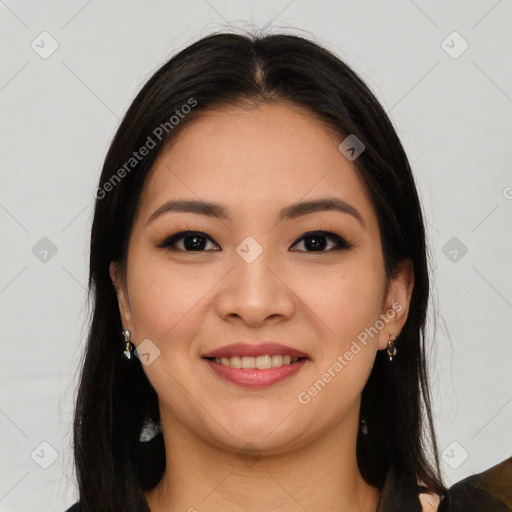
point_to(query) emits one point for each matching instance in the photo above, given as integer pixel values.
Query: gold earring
(128, 348)
(391, 347)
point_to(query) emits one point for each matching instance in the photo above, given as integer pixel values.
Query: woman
(260, 285)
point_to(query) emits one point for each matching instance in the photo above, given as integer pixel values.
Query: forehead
(254, 159)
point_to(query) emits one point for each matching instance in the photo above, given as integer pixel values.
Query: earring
(128, 348)
(150, 429)
(364, 427)
(391, 347)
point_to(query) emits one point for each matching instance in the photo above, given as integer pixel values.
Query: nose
(255, 294)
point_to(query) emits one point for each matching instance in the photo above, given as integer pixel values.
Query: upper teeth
(260, 362)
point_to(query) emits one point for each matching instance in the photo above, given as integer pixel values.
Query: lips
(254, 350)
(256, 378)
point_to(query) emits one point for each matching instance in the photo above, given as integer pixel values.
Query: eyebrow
(293, 211)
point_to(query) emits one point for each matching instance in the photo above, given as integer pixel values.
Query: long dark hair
(114, 396)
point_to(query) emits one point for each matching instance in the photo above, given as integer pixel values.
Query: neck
(320, 475)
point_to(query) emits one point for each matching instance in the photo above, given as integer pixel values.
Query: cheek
(346, 304)
(167, 307)
(165, 298)
(346, 299)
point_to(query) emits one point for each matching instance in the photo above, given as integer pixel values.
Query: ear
(122, 295)
(396, 302)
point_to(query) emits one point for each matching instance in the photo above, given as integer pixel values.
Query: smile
(260, 362)
(256, 372)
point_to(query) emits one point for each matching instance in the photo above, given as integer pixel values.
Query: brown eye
(191, 241)
(316, 241)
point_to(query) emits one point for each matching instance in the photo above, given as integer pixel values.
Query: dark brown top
(488, 491)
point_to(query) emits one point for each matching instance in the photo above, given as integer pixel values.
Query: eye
(193, 241)
(316, 241)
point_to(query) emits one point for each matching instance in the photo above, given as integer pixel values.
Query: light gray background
(59, 113)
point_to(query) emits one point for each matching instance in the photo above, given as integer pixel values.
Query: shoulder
(490, 490)
(74, 508)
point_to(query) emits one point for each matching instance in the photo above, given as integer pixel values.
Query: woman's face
(249, 278)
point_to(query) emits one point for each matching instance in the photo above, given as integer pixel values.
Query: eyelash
(341, 243)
